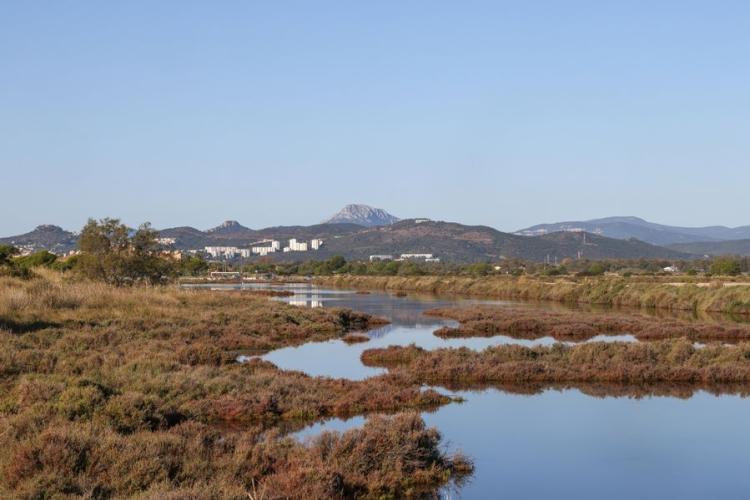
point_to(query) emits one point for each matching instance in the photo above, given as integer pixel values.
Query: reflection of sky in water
(409, 325)
(565, 444)
(556, 444)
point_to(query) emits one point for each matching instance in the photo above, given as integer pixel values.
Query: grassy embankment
(662, 362)
(111, 392)
(488, 321)
(669, 358)
(660, 293)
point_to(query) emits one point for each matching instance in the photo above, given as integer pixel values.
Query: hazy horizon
(251, 226)
(492, 113)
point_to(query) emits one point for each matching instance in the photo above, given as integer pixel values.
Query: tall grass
(117, 392)
(666, 362)
(488, 321)
(612, 291)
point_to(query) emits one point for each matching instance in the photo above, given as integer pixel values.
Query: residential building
(374, 258)
(297, 246)
(406, 256)
(222, 252)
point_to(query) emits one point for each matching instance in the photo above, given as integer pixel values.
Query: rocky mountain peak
(363, 215)
(227, 226)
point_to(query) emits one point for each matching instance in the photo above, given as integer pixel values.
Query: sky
(500, 113)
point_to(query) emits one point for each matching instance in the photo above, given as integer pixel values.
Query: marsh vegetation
(119, 391)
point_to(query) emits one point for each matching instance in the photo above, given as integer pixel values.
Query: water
(553, 443)
(565, 444)
(335, 358)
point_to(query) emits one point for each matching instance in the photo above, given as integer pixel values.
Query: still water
(555, 443)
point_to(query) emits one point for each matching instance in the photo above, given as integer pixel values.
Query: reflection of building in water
(381, 331)
(316, 300)
(310, 301)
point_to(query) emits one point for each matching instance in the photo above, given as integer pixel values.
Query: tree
(36, 259)
(103, 246)
(727, 266)
(110, 254)
(479, 269)
(7, 252)
(193, 266)
(8, 262)
(336, 262)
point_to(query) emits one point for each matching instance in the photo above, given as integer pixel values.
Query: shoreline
(606, 291)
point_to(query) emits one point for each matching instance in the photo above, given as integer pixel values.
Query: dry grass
(388, 457)
(353, 338)
(611, 291)
(669, 361)
(112, 392)
(488, 321)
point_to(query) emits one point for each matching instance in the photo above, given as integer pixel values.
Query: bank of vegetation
(565, 325)
(675, 361)
(728, 297)
(120, 391)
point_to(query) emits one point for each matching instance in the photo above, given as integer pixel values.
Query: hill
(634, 227)
(460, 243)
(44, 237)
(362, 215)
(448, 240)
(232, 233)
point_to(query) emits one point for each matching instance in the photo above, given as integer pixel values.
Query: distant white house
(671, 269)
(374, 258)
(408, 256)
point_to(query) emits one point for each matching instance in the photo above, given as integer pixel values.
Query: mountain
(228, 227)
(44, 237)
(460, 243)
(362, 215)
(448, 240)
(731, 247)
(634, 227)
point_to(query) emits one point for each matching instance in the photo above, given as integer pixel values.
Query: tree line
(111, 252)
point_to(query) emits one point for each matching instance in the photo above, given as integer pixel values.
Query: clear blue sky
(280, 112)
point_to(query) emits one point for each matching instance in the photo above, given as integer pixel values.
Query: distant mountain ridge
(650, 232)
(378, 232)
(461, 243)
(47, 236)
(362, 215)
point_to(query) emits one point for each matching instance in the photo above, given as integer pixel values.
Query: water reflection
(588, 441)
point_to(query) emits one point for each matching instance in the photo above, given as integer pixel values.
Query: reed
(668, 361)
(488, 321)
(119, 392)
(718, 296)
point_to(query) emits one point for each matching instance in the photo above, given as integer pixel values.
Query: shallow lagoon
(552, 443)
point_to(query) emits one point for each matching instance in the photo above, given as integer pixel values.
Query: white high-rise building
(225, 252)
(316, 244)
(297, 246)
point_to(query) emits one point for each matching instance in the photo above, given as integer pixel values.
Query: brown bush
(669, 361)
(135, 392)
(488, 321)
